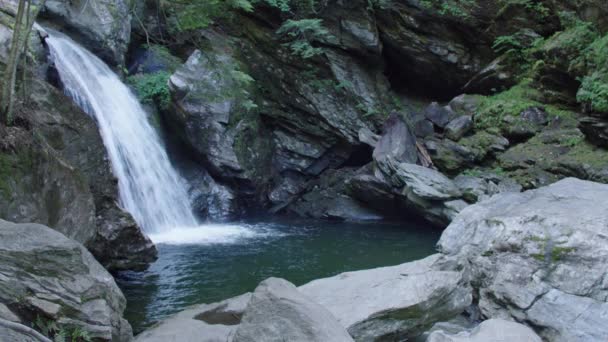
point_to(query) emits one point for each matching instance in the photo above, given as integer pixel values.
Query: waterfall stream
(150, 188)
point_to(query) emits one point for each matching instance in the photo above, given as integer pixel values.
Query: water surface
(223, 261)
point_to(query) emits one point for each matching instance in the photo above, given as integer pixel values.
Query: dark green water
(219, 267)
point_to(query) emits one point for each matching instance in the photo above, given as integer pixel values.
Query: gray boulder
(43, 273)
(397, 142)
(459, 127)
(215, 322)
(534, 257)
(278, 312)
(392, 302)
(439, 115)
(11, 331)
(479, 187)
(490, 330)
(103, 26)
(427, 191)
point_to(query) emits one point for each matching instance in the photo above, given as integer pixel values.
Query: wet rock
(424, 128)
(397, 142)
(490, 330)
(63, 179)
(103, 26)
(459, 127)
(396, 302)
(277, 312)
(45, 274)
(535, 256)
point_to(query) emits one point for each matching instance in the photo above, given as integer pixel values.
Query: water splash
(150, 188)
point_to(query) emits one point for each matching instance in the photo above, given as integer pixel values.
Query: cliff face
(272, 127)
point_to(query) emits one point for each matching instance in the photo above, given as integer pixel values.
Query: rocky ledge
(529, 265)
(51, 283)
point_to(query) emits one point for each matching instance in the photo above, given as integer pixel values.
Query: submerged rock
(535, 257)
(278, 312)
(392, 302)
(44, 274)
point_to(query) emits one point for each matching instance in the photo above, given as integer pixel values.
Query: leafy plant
(302, 33)
(152, 88)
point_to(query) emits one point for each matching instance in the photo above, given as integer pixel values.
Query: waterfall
(150, 188)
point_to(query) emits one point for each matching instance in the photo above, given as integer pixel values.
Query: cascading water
(150, 188)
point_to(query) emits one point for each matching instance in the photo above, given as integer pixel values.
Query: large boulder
(215, 322)
(535, 257)
(397, 142)
(278, 312)
(103, 26)
(392, 302)
(54, 170)
(490, 330)
(428, 192)
(45, 275)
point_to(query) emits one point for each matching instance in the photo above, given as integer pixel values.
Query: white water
(150, 188)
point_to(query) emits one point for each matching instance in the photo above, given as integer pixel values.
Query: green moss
(152, 88)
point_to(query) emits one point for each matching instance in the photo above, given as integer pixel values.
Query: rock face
(278, 312)
(392, 302)
(490, 330)
(45, 274)
(103, 26)
(62, 178)
(535, 256)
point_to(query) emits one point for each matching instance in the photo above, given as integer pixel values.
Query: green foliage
(302, 32)
(594, 92)
(50, 329)
(454, 8)
(197, 14)
(152, 88)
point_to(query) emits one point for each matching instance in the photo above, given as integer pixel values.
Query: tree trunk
(10, 73)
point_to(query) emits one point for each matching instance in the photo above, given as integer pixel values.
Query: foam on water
(209, 234)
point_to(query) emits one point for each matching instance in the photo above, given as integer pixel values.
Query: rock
(529, 122)
(438, 115)
(595, 129)
(485, 185)
(490, 330)
(12, 331)
(103, 26)
(277, 312)
(534, 257)
(201, 323)
(392, 302)
(328, 198)
(368, 137)
(465, 104)
(397, 142)
(45, 274)
(459, 127)
(427, 190)
(424, 128)
(63, 179)
(375, 193)
(494, 78)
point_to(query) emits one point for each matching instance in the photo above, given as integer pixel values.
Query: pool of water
(216, 262)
